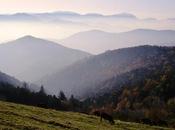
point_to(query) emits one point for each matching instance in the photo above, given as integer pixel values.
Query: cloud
(61, 15)
(60, 24)
(18, 17)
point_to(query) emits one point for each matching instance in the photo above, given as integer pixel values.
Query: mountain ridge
(106, 40)
(81, 77)
(26, 54)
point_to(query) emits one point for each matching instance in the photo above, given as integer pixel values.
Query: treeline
(23, 95)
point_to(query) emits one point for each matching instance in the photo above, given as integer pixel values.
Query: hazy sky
(142, 8)
(161, 10)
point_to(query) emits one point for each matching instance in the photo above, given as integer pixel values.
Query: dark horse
(104, 115)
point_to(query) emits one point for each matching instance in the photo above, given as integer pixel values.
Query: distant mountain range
(56, 16)
(83, 77)
(96, 41)
(76, 72)
(29, 58)
(67, 15)
(87, 19)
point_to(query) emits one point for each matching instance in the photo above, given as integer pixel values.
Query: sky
(142, 8)
(159, 10)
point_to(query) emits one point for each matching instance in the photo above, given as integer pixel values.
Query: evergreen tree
(62, 96)
(42, 90)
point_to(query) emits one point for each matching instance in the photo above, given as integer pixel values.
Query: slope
(20, 117)
(4, 78)
(82, 77)
(30, 58)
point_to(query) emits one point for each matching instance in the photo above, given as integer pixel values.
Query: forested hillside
(144, 93)
(84, 78)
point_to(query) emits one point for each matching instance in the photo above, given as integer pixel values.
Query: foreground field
(21, 117)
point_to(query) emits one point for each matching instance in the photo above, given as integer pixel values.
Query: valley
(87, 65)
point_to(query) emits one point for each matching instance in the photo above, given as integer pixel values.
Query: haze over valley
(30, 59)
(87, 64)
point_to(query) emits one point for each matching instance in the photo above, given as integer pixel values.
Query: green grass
(21, 117)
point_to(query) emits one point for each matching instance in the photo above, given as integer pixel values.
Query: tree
(42, 90)
(75, 104)
(25, 85)
(62, 96)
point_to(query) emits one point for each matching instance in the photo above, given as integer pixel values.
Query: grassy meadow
(21, 117)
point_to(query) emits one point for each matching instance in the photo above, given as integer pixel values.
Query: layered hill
(30, 58)
(96, 41)
(83, 77)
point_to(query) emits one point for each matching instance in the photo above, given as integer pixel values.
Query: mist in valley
(114, 61)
